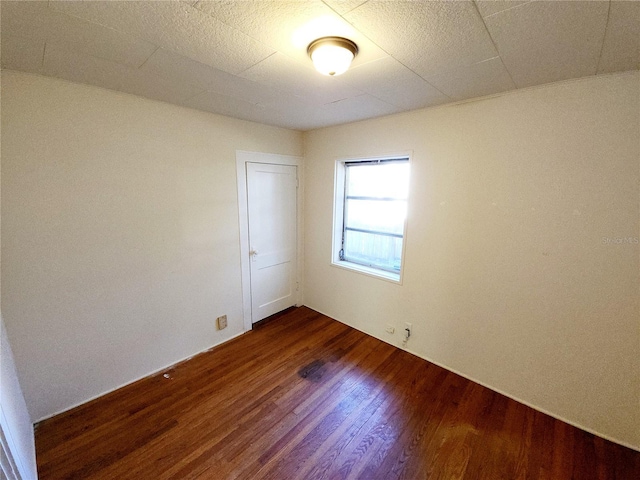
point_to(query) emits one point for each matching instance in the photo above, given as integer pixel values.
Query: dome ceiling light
(332, 55)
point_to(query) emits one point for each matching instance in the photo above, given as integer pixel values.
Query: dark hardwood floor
(306, 397)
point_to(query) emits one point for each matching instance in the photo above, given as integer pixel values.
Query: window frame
(338, 219)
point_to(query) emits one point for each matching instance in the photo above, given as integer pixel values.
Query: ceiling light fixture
(332, 55)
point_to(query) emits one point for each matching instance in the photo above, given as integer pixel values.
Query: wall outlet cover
(408, 330)
(222, 322)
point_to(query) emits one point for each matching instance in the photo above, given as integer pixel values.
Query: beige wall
(16, 440)
(506, 278)
(120, 241)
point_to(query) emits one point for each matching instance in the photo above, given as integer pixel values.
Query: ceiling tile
(304, 116)
(236, 51)
(350, 110)
(357, 108)
(282, 112)
(621, 49)
(286, 111)
(59, 62)
(542, 42)
(247, 58)
(289, 26)
(489, 7)
(247, 90)
(179, 69)
(344, 6)
(176, 26)
(36, 21)
(427, 37)
(24, 54)
(281, 72)
(392, 82)
(478, 80)
(226, 105)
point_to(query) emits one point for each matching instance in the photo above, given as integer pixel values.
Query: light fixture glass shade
(332, 55)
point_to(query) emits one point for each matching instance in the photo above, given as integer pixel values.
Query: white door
(272, 209)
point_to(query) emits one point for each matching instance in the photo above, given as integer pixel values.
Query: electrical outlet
(222, 322)
(408, 330)
(390, 329)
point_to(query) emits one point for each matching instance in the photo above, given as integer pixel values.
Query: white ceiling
(247, 59)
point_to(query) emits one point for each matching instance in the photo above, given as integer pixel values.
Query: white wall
(16, 429)
(507, 279)
(120, 240)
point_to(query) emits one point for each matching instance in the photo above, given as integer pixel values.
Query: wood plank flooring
(306, 397)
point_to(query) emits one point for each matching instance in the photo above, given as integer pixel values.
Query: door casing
(242, 158)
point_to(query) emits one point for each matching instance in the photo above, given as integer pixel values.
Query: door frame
(242, 158)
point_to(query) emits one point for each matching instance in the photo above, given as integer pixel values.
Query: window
(370, 214)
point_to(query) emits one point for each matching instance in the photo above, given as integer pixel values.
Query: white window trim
(338, 217)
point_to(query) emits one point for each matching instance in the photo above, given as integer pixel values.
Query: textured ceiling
(247, 59)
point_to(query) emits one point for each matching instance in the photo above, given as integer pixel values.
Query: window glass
(374, 213)
(373, 250)
(380, 216)
(389, 179)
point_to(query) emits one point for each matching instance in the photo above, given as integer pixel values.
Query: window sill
(370, 271)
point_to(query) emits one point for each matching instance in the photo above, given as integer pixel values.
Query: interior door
(272, 209)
